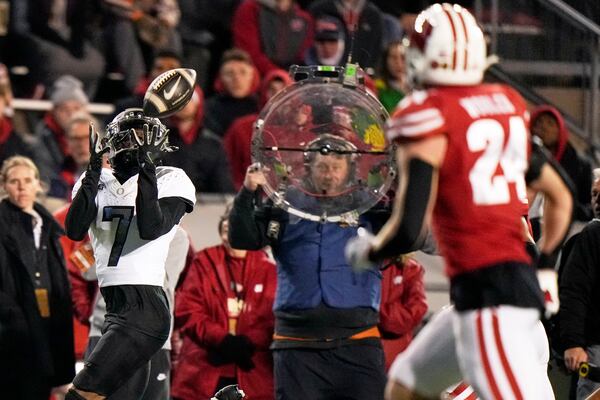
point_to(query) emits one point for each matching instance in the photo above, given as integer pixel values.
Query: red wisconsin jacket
(201, 314)
(403, 306)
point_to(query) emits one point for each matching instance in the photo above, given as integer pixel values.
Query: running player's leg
(429, 364)
(497, 352)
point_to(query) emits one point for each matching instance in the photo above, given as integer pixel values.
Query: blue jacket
(311, 267)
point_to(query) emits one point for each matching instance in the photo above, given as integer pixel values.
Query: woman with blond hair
(36, 328)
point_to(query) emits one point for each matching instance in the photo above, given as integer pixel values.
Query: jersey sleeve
(77, 185)
(174, 182)
(417, 117)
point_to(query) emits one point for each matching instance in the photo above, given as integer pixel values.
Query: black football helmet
(123, 146)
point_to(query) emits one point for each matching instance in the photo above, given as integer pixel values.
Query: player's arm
(83, 209)
(247, 231)
(155, 216)
(418, 166)
(547, 177)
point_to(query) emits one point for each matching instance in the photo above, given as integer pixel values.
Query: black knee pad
(73, 395)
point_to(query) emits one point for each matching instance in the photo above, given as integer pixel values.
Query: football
(169, 92)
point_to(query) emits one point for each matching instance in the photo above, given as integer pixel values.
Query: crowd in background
(77, 52)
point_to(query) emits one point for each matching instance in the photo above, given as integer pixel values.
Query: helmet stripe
(447, 12)
(466, 33)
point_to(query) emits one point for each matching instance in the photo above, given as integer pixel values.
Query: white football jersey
(122, 257)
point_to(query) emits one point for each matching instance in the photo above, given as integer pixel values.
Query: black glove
(238, 349)
(150, 145)
(96, 153)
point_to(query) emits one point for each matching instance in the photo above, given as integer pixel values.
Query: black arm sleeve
(409, 235)
(246, 231)
(156, 217)
(83, 209)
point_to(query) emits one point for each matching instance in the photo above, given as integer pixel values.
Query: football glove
(357, 250)
(151, 144)
(548, 281)
(96, 151)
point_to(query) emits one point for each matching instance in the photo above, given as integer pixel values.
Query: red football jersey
(481, 180)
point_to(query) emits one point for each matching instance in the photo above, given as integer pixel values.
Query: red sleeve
(194, 306)
(83, 293)
(246, 35)
(404, 306)
(417, 117)
(261, 333)
(237, 143)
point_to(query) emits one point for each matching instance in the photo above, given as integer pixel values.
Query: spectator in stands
(136, 27)
(403, 305)
(371, 32)
(11, 142)
(579, 314)
(238, 138)
(224, 309)
(51, 37)
(50, 145)
(36, 339)
(163, 61)
(391, 83)
(548, 124)
(79, 258)
(205, 28)
(330, 43)
(235, 96)
(276, 34)
(78, 150)
(200, 155)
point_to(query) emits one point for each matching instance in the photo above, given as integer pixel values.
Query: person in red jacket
(403, 305)
(224, 312)
(276, 34)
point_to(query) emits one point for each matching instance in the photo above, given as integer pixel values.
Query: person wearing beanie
(329, 45)
(50, 141)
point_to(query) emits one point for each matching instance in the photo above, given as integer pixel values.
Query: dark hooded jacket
(577, 167)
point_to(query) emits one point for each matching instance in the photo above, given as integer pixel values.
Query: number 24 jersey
(122, 257)
(481, 179)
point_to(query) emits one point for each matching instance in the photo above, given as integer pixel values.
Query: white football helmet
(446, 48)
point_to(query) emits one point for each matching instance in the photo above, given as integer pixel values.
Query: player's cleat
(169, 92)
(231, 392)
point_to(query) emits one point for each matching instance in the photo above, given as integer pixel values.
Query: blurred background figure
(367, 20)
(548, 124)
(403, 305)
(235, 88)
(238, 138)
(391, 83)
(52, 38)
(36, 339)
(50, 145)
(78, 150)
(11, 141)
(135, 30)
(276, 33)
(329, 45)
(224, 311)
(205, 33)
(579, 315)
(200, 155)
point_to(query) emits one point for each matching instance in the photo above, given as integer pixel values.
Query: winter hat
(328, 28)
(68, 88)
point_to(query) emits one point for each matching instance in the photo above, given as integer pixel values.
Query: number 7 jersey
(481, 179)
(122, 257)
